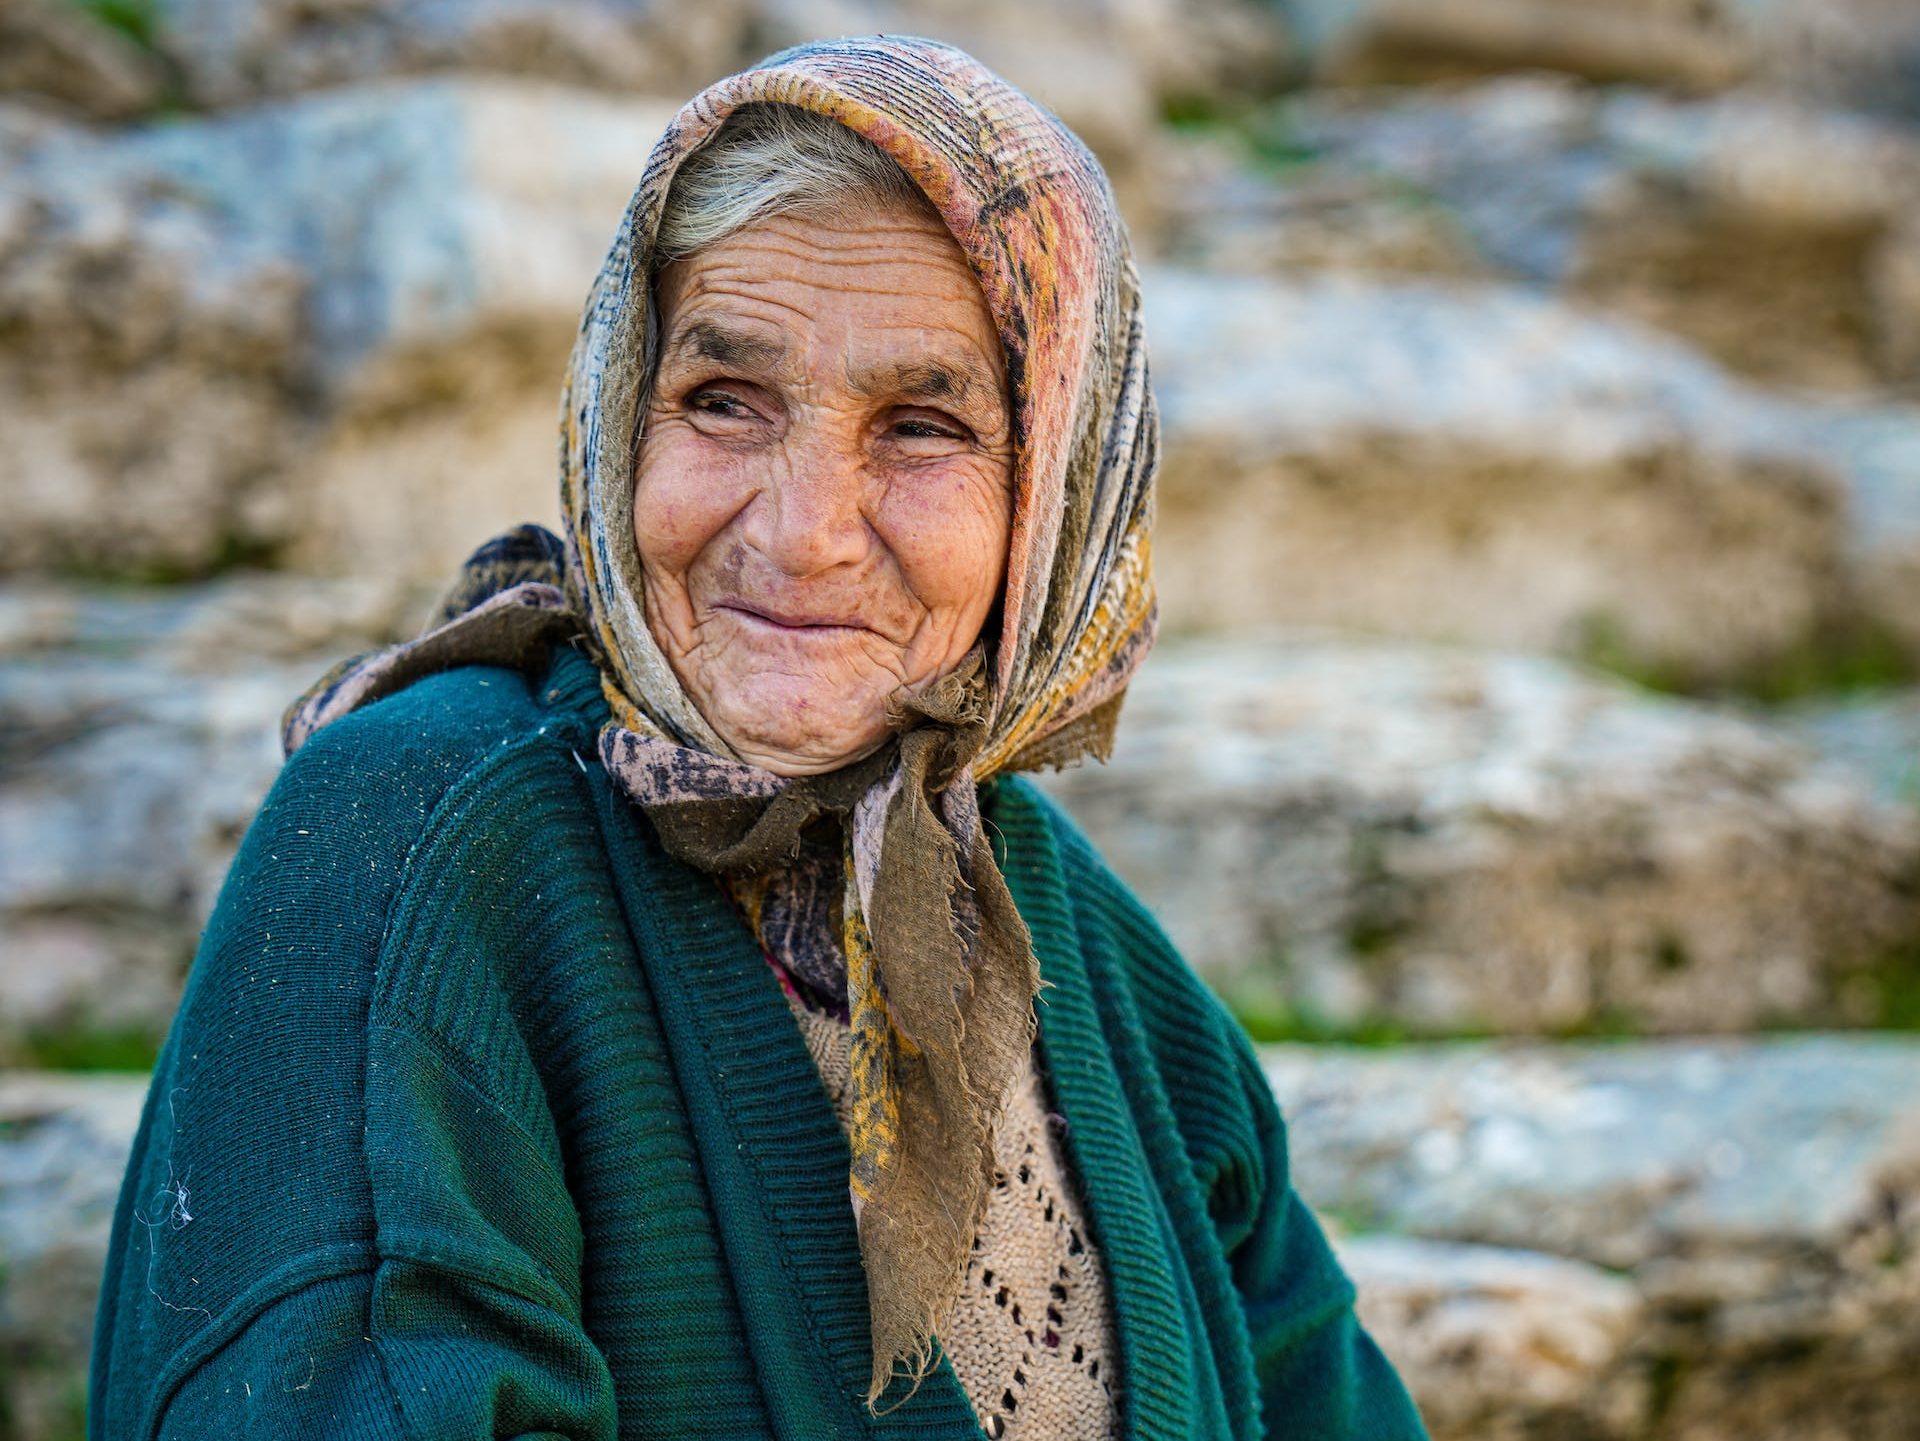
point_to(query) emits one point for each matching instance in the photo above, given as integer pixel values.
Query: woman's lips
(791, 621)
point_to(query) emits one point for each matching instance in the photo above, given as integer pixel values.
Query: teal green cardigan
(484, 1117)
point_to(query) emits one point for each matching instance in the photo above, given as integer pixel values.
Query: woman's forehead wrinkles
(945, 350)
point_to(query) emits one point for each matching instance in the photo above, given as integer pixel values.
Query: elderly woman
(621, 1018)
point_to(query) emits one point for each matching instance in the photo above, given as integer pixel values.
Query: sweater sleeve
(406, 1352)
(1320, 1374)
(335, 1221)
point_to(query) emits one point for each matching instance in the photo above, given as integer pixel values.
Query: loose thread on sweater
(176, 1217)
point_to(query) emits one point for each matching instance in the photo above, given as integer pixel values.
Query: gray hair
(771, 159)
(766, 159)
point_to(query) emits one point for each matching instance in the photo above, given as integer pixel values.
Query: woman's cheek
(949, 533)
(682, 499)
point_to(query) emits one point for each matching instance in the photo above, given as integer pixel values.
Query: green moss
(1198, 110)
(1603, 644)
(1354, 1217)
(1670, 954)
(1863, 657)
(1371, 934)
(1270, 1021)
(231, 551)
(69, 1420)
(135, 19)
(1274, 139)
(88, 1049)
(58, 1410)
(1666, 1373)
(1837, 659)
(1896, 991)
(1267, 132)
(1277, 1023)
(1605, 1024)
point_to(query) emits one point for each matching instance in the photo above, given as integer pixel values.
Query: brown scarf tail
(954, 967)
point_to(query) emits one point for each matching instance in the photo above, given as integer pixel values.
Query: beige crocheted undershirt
(1031, 1339)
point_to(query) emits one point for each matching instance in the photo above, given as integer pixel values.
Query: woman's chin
(792, 725)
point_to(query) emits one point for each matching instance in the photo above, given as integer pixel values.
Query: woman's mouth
(796, 622)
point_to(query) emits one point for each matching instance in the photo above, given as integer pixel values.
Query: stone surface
(1495, 1342)
(63, 1147)
(332, 331)
(1760, 1195)
(1877, 735)
(1349, 832)
(1859, 53)
(233, 51)
(152, 358)
(1777, 236)
(138, 733)
(56, 53)
(1693, 47)
(1470, 463)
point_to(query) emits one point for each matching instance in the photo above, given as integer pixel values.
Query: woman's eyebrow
(727, 345)
(953, 378)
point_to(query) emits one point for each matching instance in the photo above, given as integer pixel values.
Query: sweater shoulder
(446, 723)
(323, 862)
(393, 761)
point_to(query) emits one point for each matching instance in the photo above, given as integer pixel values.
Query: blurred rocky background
(1531, 756)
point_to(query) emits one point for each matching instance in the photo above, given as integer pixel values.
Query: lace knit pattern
(1031, 1337)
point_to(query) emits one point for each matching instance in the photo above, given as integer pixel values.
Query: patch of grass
(41, 1396)
(69, 1420)
(1355, 1217)
(1266, 131)
(1267, 1021)
(135, 19)
(1603, 644)
(1670, 954)
(1371, 933)
(1605, 1024)
(1838, 659)
(1270, 1020)
(231, 551)
(88, 1049)
(1198, 110)
(1275, 140)
(1847, 661)
(1666, 1373)
(1896, 992)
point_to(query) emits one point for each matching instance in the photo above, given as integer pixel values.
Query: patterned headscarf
(940, 971)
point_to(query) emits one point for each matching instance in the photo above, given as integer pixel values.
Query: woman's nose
(809, 517)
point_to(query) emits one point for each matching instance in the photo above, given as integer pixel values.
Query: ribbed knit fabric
(483, 1117)
(1030, 1337)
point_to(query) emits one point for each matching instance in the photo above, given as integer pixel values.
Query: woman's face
(824, 490)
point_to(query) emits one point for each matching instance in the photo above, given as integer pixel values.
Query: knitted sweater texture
(1030, 1336)
(483, 1117)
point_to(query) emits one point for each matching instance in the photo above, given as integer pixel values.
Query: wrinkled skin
(823, 494)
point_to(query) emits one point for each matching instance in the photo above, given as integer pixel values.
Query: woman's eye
(919, 427)
(718, 402)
